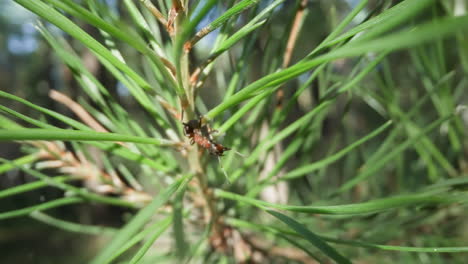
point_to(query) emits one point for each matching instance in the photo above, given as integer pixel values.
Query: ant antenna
(224, 171)
(238, 153)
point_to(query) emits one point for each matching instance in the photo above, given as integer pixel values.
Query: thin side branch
(77, 109)
(154, 10)
(200, 34)
(176, 8)
(54, 155)
(170, 66)
(229, 14)
(296, 27)
(298, 19)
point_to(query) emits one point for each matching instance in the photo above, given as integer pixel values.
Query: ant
(202, 135)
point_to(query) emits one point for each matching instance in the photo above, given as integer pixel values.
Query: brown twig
(296, 27)
(77, 109)
(91, 122)
(291, 44)
(176, 8)
(171, 109)
(154, 10)
(199, 35)
(54, 155)
(177, 5)
(198, 77)
(170, 66)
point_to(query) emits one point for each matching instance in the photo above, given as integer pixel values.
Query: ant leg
(200, 118)
(224, 171)
(238, 153)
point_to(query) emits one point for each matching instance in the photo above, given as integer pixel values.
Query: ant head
(218, 149)
(190, 126)
(187, 129)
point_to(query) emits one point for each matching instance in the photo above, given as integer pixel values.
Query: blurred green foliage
(350, 115)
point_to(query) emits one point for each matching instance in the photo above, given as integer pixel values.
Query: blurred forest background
(29, 69)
